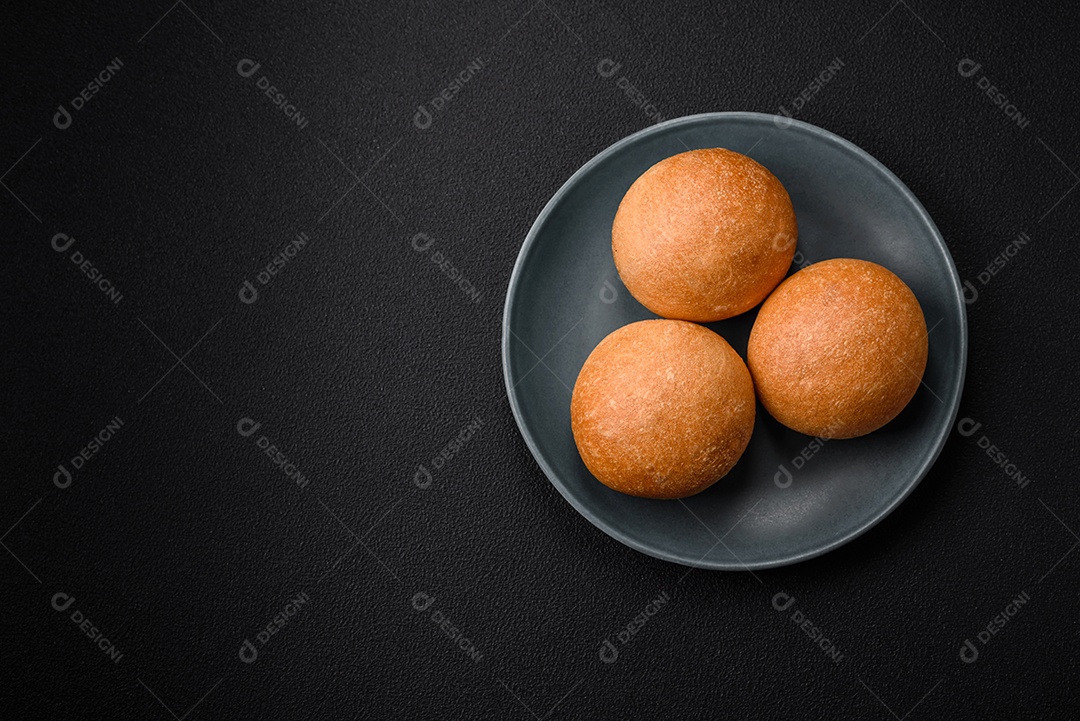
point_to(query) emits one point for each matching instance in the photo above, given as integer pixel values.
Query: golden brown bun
(704, 235)
(839, 349)
(662, 409)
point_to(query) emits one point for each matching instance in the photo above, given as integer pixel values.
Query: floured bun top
(839, 349)
(704, 235)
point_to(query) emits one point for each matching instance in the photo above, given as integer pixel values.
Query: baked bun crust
(704, 235)
(662, 409)
(839, 349)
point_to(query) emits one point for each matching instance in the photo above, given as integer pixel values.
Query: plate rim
(614, 532)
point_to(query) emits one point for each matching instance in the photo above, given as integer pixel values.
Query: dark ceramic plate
(790, 497)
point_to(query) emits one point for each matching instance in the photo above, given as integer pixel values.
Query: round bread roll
(704, 235)
(838, 349)
(662, 409)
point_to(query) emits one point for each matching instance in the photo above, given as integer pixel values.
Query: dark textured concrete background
(180, 539)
